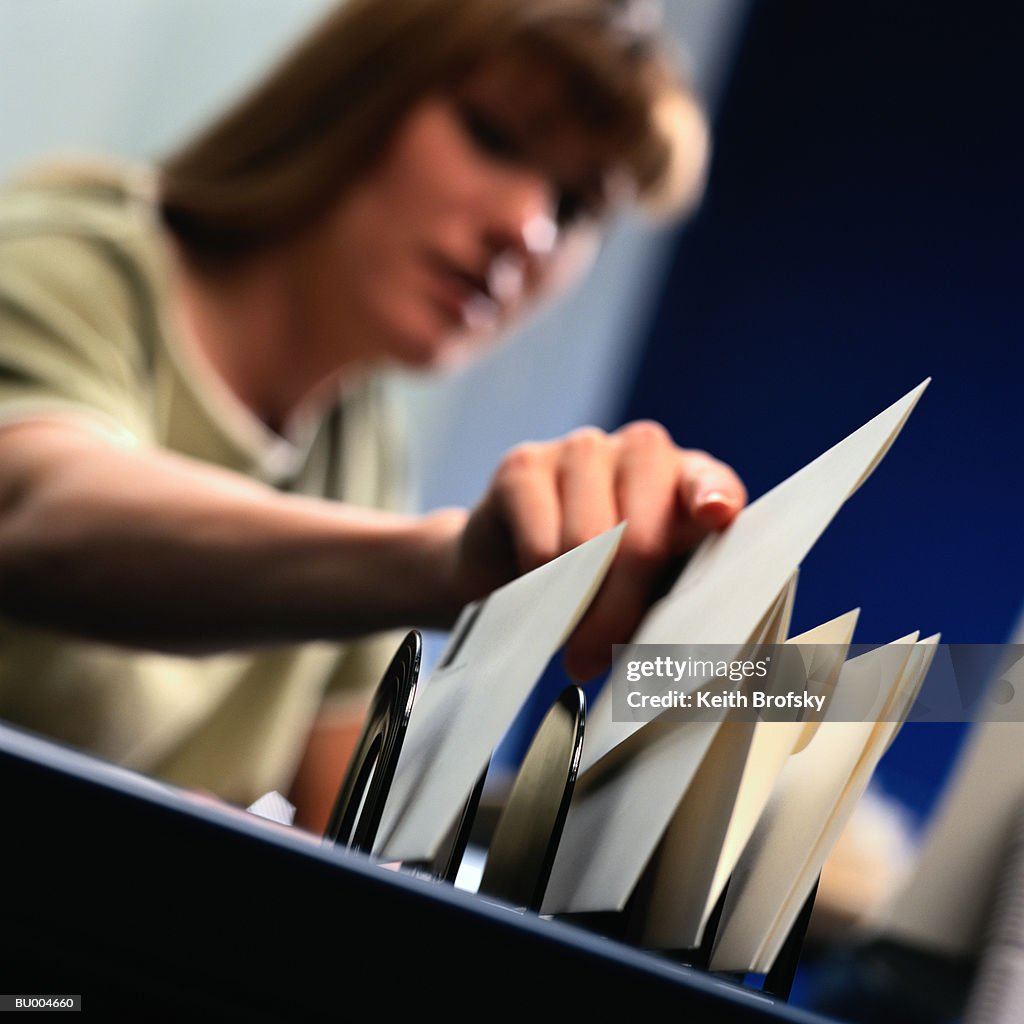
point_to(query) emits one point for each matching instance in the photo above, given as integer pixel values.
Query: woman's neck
(250, 328)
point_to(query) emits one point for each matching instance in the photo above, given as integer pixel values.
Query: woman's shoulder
(82, 255)
(87, 228)
(87, 198)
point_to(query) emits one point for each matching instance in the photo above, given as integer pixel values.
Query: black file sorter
(525, 840)
(154, 903)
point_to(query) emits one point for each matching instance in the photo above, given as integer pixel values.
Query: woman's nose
(523, 216)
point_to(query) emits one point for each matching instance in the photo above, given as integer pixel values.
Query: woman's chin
(444, 353)
(441, 360)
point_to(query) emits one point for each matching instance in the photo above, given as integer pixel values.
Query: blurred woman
(200, 485)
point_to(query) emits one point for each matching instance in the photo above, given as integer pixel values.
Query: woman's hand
(546, 498)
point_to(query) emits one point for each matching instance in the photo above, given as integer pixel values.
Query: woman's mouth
(463, 294)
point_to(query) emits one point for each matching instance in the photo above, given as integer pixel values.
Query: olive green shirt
(87, 330)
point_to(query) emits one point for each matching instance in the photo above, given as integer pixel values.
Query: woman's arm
(147, 548)
(142, 547)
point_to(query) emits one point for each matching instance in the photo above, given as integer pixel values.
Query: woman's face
(483, 200)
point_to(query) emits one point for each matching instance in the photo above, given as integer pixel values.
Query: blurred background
(863, 229)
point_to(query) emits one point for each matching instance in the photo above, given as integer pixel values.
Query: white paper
(469, 704)
(728, 585)
(717, 815)
(816, 792)
(597, 866)
(722, 597)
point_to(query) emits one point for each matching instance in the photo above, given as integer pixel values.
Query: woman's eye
(571, 207)
(577, 205)
(492, 138)
(488, 134)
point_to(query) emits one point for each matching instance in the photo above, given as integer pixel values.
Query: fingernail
(713, 498)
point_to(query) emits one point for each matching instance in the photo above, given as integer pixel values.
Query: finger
(648, 497)
(646, 483)
(614, 614)
(586, 479)
(711, 491)
(711, 496)
(525, 496)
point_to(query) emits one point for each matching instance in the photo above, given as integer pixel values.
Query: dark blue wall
(863, 230)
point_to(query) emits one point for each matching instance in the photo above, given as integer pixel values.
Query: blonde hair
(286, 150)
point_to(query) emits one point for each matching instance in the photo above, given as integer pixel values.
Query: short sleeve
(72, 336)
